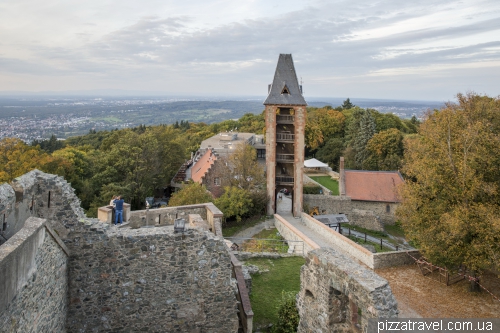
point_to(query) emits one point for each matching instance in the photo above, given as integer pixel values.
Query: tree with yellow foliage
(451, 198)
(17, 158)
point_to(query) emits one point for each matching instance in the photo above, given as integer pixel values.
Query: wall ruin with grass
(339, 295)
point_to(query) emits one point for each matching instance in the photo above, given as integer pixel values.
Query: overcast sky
(419, 49)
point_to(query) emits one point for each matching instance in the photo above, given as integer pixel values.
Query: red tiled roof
(373, 185)
(201, 167)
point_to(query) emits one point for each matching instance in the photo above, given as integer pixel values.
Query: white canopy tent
(314, 163)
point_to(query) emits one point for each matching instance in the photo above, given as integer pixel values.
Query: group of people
(117, 203)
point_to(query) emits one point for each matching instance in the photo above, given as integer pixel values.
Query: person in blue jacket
(118, 209)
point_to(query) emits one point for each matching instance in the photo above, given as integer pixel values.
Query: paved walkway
(297, 223)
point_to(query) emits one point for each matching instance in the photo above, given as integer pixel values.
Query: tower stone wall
(285, 116)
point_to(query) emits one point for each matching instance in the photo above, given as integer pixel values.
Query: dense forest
(451, 197)
(136, 161)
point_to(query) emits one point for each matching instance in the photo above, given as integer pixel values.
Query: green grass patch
(361, 241)
(230, 228)
(328, 182)
(283, 275)
(395, 230)
(265, 241)
(373, 233)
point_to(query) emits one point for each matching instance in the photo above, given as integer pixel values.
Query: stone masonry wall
(38, 194)
(120, 280)
(33, 280)
(164, 216)
(339, 295)
(365, 219)
(370, 215)
(149, 279)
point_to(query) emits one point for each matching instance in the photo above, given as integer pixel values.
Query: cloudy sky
(419, 49)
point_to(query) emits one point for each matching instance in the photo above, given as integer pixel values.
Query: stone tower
(285, 123)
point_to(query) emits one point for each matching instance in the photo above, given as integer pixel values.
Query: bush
(312, 190)
(288, 315)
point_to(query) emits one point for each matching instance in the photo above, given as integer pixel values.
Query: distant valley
(36, 117)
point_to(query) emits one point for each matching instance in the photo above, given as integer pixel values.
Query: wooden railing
(285, 119)
(285, 137)
(285, 158)
(284, 179)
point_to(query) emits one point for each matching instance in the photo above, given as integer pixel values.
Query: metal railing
(359, 237)
(261, 245)
(285, 119)
(284, 179)
(285, 137)
(285, 158)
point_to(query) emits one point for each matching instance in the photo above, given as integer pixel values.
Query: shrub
(312, 190)
(288, 315)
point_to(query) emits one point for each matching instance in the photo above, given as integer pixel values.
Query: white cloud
(223, 46)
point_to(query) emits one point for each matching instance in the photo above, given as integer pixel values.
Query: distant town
(36, 118)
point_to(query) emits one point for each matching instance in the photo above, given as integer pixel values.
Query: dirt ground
(420, 296)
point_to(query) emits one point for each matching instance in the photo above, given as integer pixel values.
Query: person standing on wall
(118, 209)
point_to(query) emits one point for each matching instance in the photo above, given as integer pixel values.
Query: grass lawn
(283, 275)
(265, 241)
(394, 230)
(329, 183)
(232, 227)
(373, 233)
(361, 241)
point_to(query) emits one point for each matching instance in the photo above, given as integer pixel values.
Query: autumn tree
(385, 151)
(451, 199)
(322, 125)
(235, 202)
(18, 158)
(190, 194)
(246, 171)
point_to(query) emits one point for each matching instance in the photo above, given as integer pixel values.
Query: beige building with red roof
(375, 191)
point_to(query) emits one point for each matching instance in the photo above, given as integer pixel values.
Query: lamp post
(179, 225)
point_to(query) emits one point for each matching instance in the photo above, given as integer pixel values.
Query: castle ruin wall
(366, 214)
(33, 280)
(69, 273)
(339, 295)
(128, 280)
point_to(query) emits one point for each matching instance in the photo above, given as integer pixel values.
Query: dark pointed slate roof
(285, 76)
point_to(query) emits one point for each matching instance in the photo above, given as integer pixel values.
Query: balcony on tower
(285, 119)
(284, 180)
(285, 158)
(285, 137)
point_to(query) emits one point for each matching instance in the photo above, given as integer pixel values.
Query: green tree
(190, 194)
(385, 151)
(331, 152)
(347, 104)
(235, 202)
(49, 145)
(360, 129)
(451, 200)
